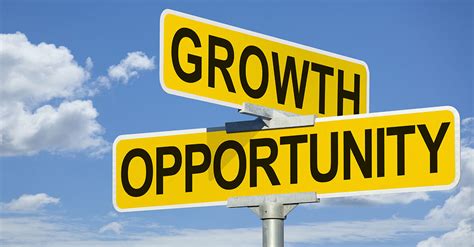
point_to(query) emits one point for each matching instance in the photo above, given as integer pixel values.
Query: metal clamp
(268, 118)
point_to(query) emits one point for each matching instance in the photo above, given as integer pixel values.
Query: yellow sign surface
(214, 62)
(413, 150)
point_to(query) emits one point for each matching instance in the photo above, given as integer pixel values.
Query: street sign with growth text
(218, 63)
(400, 151)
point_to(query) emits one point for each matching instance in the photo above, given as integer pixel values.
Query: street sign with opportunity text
(411, 150)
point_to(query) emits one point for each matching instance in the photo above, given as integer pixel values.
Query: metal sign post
(272, 210)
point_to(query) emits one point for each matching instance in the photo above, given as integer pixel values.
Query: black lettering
(138, 152)
(282, 86)
(225, 184)
(400, 132)
(323, 71)
(350, 145)
(344, 94)
(161, 171)
(194, 169)
(380, 152)
(221, 64)
(193, 59)
(433, 146)
(260, 91)
(317, 175)
(293, 141)
(263, 162)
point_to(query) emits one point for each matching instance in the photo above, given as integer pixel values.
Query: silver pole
(273, 233)
(272, 215)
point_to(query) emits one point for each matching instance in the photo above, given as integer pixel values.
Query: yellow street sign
(412, 150)
(218, 63)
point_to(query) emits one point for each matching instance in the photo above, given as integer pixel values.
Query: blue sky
(63, 107)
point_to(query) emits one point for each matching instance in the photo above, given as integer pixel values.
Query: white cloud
(129, 66)
(455, 209)
(462, 236)
(42, 231)
(210, 238)
(368, 231)
(30, 203)
(467, 131)
(22, 231)
(467, 165)
(34, 74)
(89, 64)
(70, 127)
(383, 199)
(112, 214)
(114, 227)
(458, 209)
(42, 90)
(467, 152)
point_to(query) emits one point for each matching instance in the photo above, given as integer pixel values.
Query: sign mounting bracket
(268, 118)
(272, 210)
